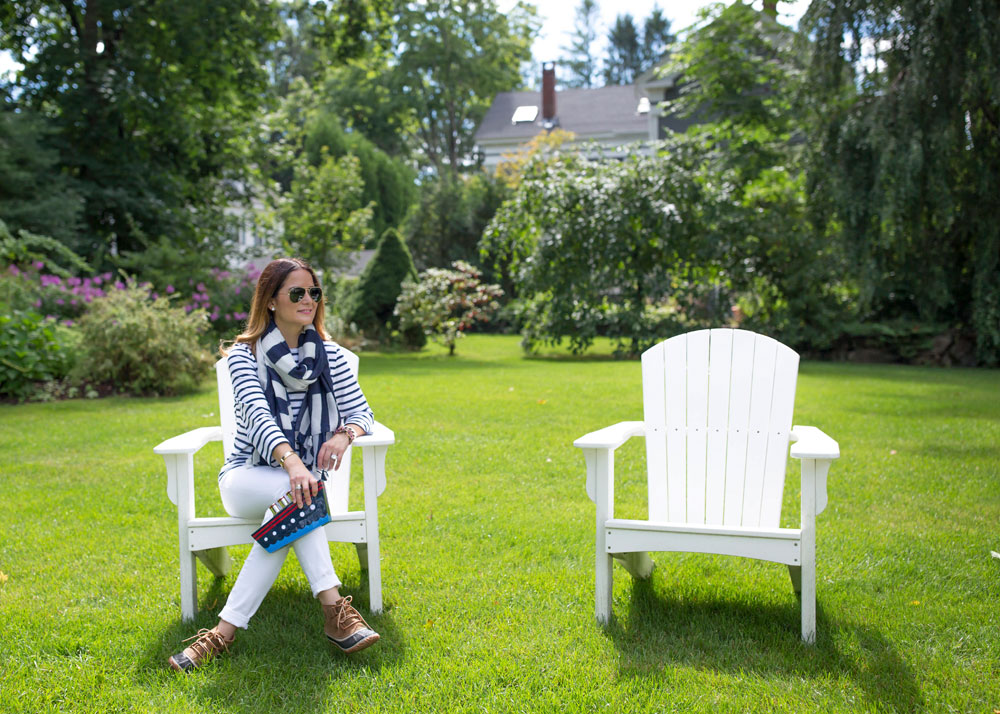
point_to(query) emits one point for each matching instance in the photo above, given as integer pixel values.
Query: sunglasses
(296, 294)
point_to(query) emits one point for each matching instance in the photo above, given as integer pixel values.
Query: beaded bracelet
(351, 436)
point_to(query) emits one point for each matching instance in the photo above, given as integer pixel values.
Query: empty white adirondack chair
(717, 421)
(208, 538)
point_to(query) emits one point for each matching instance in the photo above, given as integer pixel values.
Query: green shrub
(33, 349)
(370, 305)
(444, 304)
(17, 291)
(139, 345)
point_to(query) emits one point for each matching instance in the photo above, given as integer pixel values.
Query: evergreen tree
(624, 61)
(370, 306)
(34, 194)
(656, 38)
(581, 61)
(631, 53)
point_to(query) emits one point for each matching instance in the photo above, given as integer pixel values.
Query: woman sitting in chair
(298, 408)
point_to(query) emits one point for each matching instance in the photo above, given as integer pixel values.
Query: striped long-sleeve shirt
(256, 428)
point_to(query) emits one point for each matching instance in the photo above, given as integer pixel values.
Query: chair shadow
(764, 640)
(283, 656)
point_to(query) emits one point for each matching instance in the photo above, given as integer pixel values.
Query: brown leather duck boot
(345, 627)
(207, 644)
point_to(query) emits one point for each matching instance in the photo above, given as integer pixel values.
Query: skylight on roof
(524, 114)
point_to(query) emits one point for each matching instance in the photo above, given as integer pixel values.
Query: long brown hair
(268, 284)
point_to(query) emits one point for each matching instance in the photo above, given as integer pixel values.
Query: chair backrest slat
(227, 413)
(786, 368)
(653, 391)
(718, 408)
(697, 424)
(675, 406)
(741, 375)
(761, 392)
(720, 369)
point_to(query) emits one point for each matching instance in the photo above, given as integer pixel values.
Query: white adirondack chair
(207, 539)
(717, 421)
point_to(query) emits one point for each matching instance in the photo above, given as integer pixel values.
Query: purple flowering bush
(61, 330)
(63, 299)
(224, 296)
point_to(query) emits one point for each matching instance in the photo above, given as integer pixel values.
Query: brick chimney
(771, 9)
(548, 92)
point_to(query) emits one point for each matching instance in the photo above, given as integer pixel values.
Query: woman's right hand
(304, 485)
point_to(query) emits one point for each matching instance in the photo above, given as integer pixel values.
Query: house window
(524, 114)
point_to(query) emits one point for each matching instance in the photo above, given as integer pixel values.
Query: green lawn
(487, 541)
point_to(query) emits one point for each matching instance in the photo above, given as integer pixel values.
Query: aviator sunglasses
(295, 294)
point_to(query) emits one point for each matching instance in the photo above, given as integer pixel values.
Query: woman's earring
(271, 308)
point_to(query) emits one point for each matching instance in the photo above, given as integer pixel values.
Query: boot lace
(348, 619)
(207, 643)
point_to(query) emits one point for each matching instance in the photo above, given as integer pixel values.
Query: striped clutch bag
(288, 522)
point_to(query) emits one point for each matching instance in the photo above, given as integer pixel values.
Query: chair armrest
(380, 435)
(598, 451)
(189, 442)
(178, 454)
(374, 446)
(611, 437)
(811, 443)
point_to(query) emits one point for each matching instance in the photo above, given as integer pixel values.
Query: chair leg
(604, 585)
(189, 585)
(639, 565)
(795, 573)
(217, 560)
(808, 595)
(374, 580)
(362, 555)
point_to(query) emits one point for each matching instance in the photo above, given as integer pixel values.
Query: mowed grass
(487, 542)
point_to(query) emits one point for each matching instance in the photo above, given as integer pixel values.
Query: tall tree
(907, 160)
(323, 214)
(317, 36)
(151, 105)
(624, 60)
(453, 58)
(580, 60)
(364, 95)
(35, 195)
(656, 39)
(740, 70)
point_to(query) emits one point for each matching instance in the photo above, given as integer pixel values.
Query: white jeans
(246, 492)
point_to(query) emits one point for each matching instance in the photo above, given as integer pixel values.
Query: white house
(612, 116)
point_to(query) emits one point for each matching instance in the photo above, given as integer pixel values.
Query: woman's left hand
(332, 452)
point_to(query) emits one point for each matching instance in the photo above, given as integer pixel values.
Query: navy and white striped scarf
(280, 373)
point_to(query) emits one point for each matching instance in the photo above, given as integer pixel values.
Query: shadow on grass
(428, 365)
(582, 357)
(759, 639)
(283, 662)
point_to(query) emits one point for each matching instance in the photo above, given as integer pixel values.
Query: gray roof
(586, 112)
